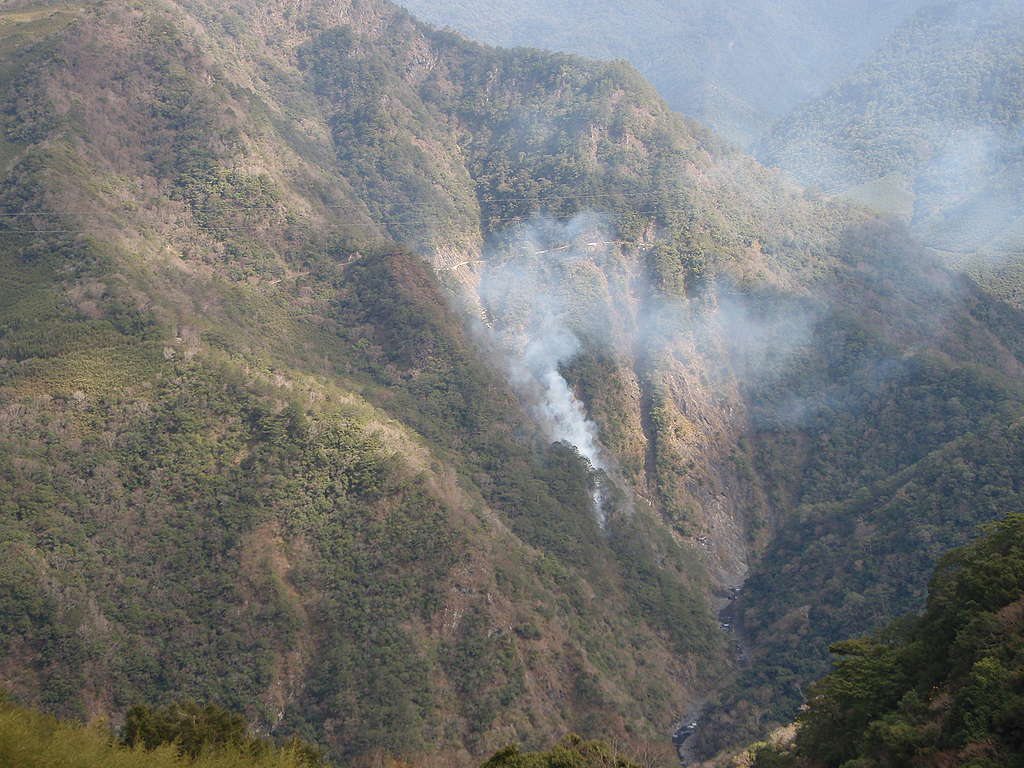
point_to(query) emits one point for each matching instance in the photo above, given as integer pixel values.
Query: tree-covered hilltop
(929, 128)
(260, 444)
(943, 688)
(735, 67)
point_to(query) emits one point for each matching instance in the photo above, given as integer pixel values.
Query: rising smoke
(558, 408)
(550, 288)
(526, 290)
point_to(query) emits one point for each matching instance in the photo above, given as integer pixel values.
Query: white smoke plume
(521, 290)
(549, 287)
(559, 408)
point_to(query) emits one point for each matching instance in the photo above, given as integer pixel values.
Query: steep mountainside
(735, 66)
(838, 568)
(932, 128)
(416, 397)
(249, 453)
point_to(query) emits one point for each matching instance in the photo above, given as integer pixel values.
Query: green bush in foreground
(572, 752)
(30, 739)
(190, 735)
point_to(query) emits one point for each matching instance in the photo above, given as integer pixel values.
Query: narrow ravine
(729, 622)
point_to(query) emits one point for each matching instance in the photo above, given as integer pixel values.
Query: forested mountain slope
(838, 568)
(308, 314)
(735, 66)
(944, 688)
(931, 128)
(249, 453)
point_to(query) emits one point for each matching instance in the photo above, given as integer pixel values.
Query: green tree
(192, 726)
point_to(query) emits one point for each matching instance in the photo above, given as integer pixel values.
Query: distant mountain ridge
(931, 128)
(735, 67)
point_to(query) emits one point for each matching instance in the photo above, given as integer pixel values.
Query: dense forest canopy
(930, 128)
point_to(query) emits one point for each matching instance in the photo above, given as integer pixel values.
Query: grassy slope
(29, 738)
